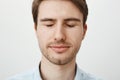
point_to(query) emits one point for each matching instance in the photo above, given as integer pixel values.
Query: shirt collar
(78, 76)
(37, 75)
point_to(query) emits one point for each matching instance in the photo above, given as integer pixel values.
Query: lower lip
(60, 50)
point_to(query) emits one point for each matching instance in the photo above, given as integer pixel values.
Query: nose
(59, 34)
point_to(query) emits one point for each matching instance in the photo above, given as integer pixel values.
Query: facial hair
(57, 61)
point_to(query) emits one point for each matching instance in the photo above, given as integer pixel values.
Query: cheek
(43, 36)
(76, 37)
(77, 42)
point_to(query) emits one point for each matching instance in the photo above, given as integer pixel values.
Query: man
(60, 27)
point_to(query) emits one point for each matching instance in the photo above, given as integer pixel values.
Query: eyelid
(49, 25)
(70, 25)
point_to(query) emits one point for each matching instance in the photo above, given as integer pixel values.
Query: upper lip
(59, 46)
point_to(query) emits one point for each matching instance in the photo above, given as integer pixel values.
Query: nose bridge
(59, 32)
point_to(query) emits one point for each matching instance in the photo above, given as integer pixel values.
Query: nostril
(59, 37)
(59, 40)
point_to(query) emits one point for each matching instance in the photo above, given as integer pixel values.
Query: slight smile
(59, 48)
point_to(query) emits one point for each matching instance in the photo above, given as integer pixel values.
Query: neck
(50, 71)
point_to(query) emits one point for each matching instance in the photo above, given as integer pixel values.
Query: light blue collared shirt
(35, 75)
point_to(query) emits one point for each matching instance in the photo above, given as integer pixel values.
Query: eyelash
(70, 25)
(49, 25)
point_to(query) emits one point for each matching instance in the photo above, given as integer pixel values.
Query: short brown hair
(81, 4)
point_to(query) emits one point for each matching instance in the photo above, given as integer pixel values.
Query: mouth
(59, 48)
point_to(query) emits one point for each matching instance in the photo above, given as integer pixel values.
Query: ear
(84, 30)
(35, 26)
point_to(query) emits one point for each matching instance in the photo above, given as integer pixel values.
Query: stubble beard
(70, 55)
(56, 61)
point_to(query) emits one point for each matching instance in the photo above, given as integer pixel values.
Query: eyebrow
(47, 19)
(73, 19)
(68, 19)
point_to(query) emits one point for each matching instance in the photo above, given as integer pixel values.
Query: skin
(60, 32)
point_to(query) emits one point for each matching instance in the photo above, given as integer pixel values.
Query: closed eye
(71, 26)
(49, 25)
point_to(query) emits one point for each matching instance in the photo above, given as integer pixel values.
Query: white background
(100, 51)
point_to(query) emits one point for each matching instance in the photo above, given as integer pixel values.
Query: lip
(59, 48)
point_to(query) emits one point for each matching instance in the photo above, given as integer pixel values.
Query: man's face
(60, 30)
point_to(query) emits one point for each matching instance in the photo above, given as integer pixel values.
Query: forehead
(58, 9)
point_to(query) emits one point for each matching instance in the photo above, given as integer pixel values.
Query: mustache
(59, 43)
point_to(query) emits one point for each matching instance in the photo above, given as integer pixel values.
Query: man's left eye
(70, 25)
